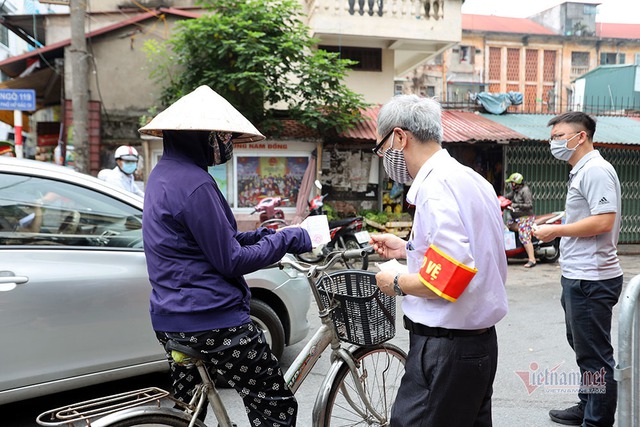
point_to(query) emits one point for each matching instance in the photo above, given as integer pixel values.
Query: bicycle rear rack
(84, 411)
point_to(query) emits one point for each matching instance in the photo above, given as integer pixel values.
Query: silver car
(74, 290)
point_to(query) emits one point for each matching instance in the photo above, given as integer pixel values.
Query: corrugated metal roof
(458, 126)
(618, 31)
(462, 126)
(609, 129)
(502, 24)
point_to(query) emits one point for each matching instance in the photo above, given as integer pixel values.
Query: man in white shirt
(123, 174)
(454, 291)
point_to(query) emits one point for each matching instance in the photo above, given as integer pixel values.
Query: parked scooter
(270, 214)
(345, 233)
(544, 251)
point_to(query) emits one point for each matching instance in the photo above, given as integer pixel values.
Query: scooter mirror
(318, 184)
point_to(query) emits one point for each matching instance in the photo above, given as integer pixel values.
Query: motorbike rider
(123, 174)
(522, 213)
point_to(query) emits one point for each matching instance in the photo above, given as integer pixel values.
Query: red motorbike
(271, 216)
(345, 234)
(544, 251)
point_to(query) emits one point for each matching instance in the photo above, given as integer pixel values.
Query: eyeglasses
(377, 148)
(559, 136)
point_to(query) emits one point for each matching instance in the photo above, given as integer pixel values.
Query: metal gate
(547, 178)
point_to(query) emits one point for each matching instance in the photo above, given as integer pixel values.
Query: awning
(609, 129)
(458, 126)
(47, 84)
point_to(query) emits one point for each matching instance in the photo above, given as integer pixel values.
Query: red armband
(444, 275)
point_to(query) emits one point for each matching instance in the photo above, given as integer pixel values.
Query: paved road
(532, 333)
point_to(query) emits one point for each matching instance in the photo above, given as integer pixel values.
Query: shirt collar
(589, 156)
(437, 158)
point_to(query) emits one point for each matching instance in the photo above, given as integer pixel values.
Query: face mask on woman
(559, 148)
(222, 144)
(395, 164)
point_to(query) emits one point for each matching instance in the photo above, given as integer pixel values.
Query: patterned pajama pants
(241, 355)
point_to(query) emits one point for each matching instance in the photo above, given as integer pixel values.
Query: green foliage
(259, 56)
(331, 213)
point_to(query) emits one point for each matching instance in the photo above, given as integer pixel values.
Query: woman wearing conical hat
(196, 257)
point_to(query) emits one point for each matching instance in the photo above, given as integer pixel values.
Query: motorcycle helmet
(127, 153)
(516, 178)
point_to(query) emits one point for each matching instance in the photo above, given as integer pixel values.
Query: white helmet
(126, 152)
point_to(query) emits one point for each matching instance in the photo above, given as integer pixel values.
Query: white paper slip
(363, 237)
(392, 266)
(318, 228)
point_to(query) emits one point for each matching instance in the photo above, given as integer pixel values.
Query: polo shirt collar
(583, 161)
(439, 157)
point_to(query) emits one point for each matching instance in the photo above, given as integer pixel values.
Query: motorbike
(345, 233)
(546, 252)
(271, 216)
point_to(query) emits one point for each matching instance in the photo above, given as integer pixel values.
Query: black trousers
(243, 357)
(448, 382)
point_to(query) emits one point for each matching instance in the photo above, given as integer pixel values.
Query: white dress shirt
(457, 211)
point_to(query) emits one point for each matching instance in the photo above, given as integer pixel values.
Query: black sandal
(530, 264)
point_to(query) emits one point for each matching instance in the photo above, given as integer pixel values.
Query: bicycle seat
(173, 345)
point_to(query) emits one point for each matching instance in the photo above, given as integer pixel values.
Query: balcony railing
(577, 71)
(419, 9)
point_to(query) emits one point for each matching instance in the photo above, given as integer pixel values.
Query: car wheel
(267, 320)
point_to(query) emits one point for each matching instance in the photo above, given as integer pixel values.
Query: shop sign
(263, 146)
(18, 99)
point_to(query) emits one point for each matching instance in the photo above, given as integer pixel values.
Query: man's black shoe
(570, 417)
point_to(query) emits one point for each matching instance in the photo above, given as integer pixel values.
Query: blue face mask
(129, 167)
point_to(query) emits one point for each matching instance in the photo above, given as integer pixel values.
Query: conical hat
(203, 109)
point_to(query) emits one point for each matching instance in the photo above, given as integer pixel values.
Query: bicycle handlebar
(332, 258)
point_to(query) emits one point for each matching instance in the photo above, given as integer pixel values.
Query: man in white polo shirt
(591, 273)
(454, 291)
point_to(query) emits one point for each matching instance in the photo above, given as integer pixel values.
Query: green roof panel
(609, 129)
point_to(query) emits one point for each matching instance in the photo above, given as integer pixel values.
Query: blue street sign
(18, 99)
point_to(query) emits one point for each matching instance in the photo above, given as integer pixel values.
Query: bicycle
(359, 388)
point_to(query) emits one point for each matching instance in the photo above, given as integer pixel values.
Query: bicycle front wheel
(380, 369)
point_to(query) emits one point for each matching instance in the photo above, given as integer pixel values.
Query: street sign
(18, 99)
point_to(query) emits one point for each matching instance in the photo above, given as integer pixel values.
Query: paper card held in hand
(392, 266)
(318, 228)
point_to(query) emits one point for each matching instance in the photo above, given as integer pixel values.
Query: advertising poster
(269, 176)
(219, 173)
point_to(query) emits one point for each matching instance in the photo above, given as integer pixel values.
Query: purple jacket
(195, 255)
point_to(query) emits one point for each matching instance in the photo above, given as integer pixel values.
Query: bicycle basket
(364, 315)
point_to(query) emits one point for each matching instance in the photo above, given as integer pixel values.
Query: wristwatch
(396, 286)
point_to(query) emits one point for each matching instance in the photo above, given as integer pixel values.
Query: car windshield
(37, 210)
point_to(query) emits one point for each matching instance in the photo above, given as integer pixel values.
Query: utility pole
(79, 85)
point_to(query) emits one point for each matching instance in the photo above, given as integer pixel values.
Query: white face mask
(559, 148)
(395, 164)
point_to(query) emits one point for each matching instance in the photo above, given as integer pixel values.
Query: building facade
(540, 57)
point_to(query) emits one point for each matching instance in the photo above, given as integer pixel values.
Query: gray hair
(420, 116)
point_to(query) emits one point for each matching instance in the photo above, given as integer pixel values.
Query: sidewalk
(629, 249)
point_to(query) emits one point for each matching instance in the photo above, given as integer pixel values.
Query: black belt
(428, 331)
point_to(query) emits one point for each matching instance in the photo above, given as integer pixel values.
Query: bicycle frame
(303, 364)
(325, 335)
